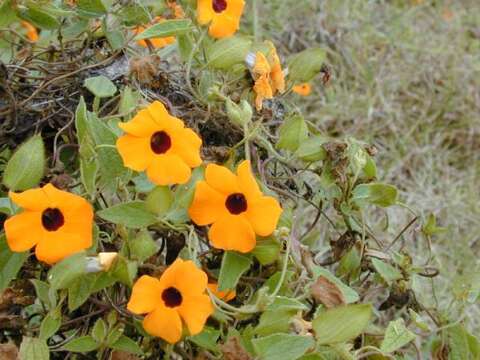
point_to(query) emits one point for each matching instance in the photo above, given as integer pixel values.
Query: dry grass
(405, 78)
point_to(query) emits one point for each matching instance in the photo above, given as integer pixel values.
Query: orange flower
(303, 89)
(179, 294)
(222, 295)
(159, 143)
(32, 33)
(157, 43)
(268, 75)
(56, 222)
(235, 206)
(223, 16)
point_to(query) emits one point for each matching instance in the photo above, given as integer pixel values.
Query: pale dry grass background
(406, 77)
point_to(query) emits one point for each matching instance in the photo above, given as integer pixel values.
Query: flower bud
(102, 262)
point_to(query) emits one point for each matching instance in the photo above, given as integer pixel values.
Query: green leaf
(311, 149)
(267, 251)
(10, 263)
(7, 14)
(91, 8)
(166, 28)
(159, 200)
(100, 86)
(142, 246)
(42, 291)
(33, 349)
(126, 344)
(306, 64)
(114, 334)
(459, 345)
(132, 214)
(282, 303)
(81, 344)
(383, 195)
(99, 331)
(124, 270)
(386, 271)
(66, 271)
(50, 324)
(39, 18)
(341, 324)
(207, 339)
(274, 322)
(396, 336)
(430, 227)
(233, 266)
(115, 38)
(26, 167)
(292, 133)
(282, 346)
(225, 53)
(134, 14)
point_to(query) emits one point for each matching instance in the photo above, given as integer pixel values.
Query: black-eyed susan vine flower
(55, 222)
(223, 16)
(235, 207)
(157, 43)
(178, 295)
(159, 143)
(267, 73)
(31, 31)
(303, 89)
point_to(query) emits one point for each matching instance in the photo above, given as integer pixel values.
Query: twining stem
(256, 27)
(189, 65)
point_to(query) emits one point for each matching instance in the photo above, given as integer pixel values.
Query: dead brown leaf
(123, 355)
(233, 350)
(8, 351)
(326, 292)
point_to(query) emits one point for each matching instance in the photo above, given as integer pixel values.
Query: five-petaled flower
(157, 43)
(267, 74)
(235, 206)
(303, 89)
(179, 294)
(223, 16)
(159, 143)
(56, 222)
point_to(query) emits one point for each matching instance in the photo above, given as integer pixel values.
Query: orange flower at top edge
(222, 295)
(303, 89)
(235, 207)
(32, 33)
(223, 16)
(267, 74)
(157, 43)
(159, 143)
(56, 222)
(179, 294)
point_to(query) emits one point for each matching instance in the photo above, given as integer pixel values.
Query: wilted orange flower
(32, 33)
(179, 294)
(222, 295)
(268, 75)
(303, 89)
(157, 43)
(56, 222)
(159, 143)
(223, 16)
(235, 206)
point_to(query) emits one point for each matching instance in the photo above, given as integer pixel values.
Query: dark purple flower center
(219, 5)
(236, 203)
(172, 297)
(52, 219)
(160, 142)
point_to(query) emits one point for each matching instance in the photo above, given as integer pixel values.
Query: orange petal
(135, 151)
(77, 211)
(158, 112)
(232, 233)
(164, 323)
(208, 205)
(222, 295)
(234, 8)
(223, 26)
(24, 230)
(302, 89)
(142, 125)
(221, 179)
(205, 12)
(168, 169)
(33, 199)
(247, 182)
(57, 245)
(195, 311)
(186, 277)
(146, 295)
(263, 215)
(186, 144)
